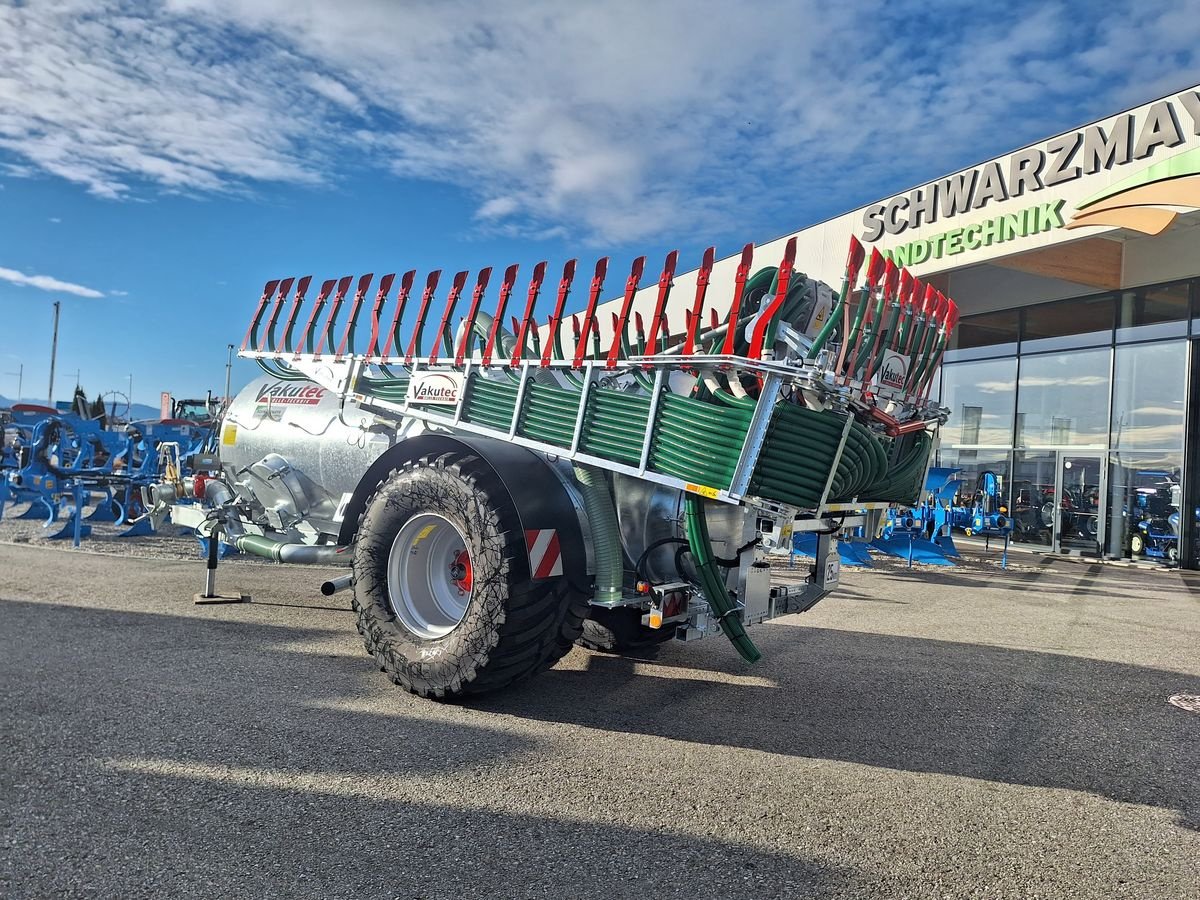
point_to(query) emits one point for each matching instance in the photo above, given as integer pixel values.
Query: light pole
(20, 373)
(131, 392)
(53, 353)
(228, 370)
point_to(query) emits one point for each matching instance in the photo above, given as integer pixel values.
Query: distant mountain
(138, 412)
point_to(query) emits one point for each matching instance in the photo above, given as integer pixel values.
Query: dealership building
(1074, 372)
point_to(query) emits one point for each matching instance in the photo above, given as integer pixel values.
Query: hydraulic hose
(606, 538)
(306, 554)
(723, 607)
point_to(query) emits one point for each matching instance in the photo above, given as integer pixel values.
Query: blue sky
(160, 160)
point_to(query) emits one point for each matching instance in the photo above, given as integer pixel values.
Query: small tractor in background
(499, 493)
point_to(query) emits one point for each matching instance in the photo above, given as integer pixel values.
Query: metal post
(53, 354)
(210, 594)
(228, 371)
(20, 373)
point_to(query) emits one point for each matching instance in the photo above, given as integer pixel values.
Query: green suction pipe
(606, 537)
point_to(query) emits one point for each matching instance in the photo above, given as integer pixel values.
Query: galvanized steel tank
(329, 442)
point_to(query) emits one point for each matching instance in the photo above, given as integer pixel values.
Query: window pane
(987, 330)
(1032, 504)
(1064, 400)
(972, 463)
(1148, 389)
(1153, 312)
(1067, 323)
(1144, 500)
(980, 396)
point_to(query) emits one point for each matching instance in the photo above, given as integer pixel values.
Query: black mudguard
(541, 501)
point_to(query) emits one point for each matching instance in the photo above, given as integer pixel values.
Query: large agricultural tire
(493, 625)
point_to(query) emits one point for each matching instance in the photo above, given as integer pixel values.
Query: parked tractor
(499, 494)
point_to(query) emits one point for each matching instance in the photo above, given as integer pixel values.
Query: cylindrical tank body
(327, 443)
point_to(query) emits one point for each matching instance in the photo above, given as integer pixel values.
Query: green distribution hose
(711, 582)
(699, 438)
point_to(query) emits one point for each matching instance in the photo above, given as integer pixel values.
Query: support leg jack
(210, 594)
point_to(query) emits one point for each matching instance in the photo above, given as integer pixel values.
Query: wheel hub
(430, 576)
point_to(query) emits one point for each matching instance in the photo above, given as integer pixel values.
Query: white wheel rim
(430, 576)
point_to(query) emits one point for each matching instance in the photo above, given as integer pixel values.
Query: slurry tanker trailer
(500, 493)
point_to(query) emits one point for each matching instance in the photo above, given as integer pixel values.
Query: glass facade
(1081, 407)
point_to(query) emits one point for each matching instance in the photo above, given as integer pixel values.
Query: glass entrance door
(1081, 493)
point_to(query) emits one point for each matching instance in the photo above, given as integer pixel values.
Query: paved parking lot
(946, 734)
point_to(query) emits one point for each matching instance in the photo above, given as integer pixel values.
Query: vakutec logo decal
(435, 388)
(290, 394)
(894, 371)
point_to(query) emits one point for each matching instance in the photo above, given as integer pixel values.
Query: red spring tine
(622, 321)
(952, 319)
(714, 321)
(941, 316)
(506, 289)
(576, 331)
(414, 343)
(735, 307)
(917, 313)
(854, 260)
(472, 314)
(641, 332)
(276, 308)
(294, 313)
(521, 329)
(695, 316)
(589, 316)
(251, 338)
(406, 283)
(906, 307)
(891, 279)
(456, 289)
(306, 336)
(891, 282)
(758, 335)
(334, 308)
(555, 321)
(665, 280)
(875, 270)
(385, 288)
(665, 324)
(360, 294)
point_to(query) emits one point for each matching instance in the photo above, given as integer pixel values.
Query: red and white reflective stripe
(545, 557)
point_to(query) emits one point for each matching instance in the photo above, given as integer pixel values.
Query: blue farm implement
(60, 464)
(986, 516)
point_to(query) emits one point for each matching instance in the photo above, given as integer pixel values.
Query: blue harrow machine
(71, 471)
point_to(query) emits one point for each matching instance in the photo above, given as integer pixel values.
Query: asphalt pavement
(948, 733)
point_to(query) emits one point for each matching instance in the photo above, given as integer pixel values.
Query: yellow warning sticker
(703, 490)
(229, 434)
(423, 533)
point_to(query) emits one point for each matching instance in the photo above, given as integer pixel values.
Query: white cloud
(47, 283)
(55, 219)
(616, 122)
